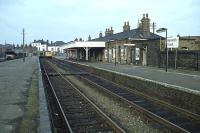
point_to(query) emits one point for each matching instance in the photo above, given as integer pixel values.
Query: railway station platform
(184, 79)
(15, 84)
(188, 80)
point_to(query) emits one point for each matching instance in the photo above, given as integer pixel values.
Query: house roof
(59, 43)
(40, 41)
(134, 33)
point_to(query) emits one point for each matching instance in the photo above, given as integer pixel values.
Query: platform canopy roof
(86, 44)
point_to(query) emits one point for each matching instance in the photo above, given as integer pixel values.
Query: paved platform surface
(15, 77)
(186, 79)
(181, 78)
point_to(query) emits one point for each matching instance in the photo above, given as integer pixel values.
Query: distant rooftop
(40, 41)
(57, 43)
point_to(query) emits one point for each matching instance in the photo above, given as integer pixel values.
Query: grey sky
(67, 19)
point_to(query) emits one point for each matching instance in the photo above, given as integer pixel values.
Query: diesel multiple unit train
(46, 54)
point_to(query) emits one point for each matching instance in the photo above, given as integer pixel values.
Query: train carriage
(46, 54)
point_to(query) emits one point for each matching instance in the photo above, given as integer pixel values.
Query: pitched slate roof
(134, 33)
(40, 41)
(59, 43)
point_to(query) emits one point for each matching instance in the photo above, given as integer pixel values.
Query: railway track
(176, 119)
(70, 110)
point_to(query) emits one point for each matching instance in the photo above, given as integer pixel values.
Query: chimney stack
(100, 35)
(145, 25)
(89, 38)
(106, 32)
(76, 39)
(126, 26)
(109, 31)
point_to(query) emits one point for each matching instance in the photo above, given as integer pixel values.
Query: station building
(131, 46)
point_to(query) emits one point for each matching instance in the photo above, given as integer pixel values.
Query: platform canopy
(88, 44)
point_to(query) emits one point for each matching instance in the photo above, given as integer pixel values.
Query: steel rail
(150, 114)
(109, 121)
(68, 127)
(143, 110)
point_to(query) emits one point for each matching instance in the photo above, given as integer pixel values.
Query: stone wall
(153, 53)
(185, 59)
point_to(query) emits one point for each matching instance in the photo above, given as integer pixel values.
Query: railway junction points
(16, 75)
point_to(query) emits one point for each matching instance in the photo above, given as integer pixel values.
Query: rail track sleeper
(165, 109)
(150, 114)
(91, 123)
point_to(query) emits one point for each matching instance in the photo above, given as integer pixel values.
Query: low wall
(179, 96)
(185, 60)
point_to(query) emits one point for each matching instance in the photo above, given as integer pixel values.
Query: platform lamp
(166, 49)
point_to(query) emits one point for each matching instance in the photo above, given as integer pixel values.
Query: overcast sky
(65, 20)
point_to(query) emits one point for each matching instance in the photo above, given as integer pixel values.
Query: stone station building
(132, 46)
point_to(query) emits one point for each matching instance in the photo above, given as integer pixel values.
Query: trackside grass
(30, 119)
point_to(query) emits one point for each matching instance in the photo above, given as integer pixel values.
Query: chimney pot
(143, 15)
(100, 34)
(147, 15)
(89, 38)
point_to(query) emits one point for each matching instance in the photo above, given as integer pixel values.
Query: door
(144, 61)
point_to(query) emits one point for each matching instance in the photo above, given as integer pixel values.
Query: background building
(42, 45)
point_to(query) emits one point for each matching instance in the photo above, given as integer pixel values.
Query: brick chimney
(109, 32)
(106, 32)
(126, 26)
(145, 25)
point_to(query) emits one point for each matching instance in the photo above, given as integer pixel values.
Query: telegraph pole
(23, 34)
(153, 25)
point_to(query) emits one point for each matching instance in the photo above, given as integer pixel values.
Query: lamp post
(23, 32)
(166, 49)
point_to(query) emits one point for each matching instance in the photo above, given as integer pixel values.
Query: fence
(184, 59)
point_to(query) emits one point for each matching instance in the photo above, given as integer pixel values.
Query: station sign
(172, 42)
